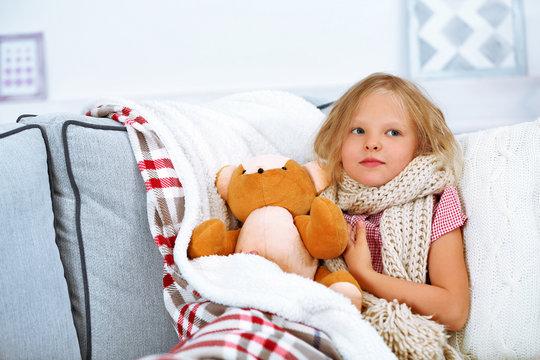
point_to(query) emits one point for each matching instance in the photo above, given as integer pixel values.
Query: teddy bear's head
(270, 180)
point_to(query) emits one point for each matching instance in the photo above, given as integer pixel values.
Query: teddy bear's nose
(260, 171)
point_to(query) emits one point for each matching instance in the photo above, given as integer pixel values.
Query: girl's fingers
(360, 230)
(351, 232)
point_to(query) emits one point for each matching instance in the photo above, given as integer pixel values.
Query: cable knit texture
(500, 189)
(407, 201)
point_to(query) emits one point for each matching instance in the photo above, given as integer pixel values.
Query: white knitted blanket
(202, 138)
(500, 189)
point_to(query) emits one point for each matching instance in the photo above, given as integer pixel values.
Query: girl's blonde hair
(434, 136)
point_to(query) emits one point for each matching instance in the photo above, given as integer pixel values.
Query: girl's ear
(319, 175)
(223, 179)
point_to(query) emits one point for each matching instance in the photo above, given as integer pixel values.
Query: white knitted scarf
(407, 201)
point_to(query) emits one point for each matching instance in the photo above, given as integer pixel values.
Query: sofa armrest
(112, 265)
(35, 313)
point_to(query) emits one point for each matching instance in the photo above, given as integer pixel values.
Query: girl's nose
(372, 146)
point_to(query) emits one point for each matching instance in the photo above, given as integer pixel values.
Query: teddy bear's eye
(243, 172)
(284, 168)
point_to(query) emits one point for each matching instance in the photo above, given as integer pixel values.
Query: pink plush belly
(270, 231)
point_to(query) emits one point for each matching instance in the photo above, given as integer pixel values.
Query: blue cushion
(113, 267)
(35, 312)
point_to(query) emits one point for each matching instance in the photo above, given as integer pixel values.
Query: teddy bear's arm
(212, 238)
(324, 230)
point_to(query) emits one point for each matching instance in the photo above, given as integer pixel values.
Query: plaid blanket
(207, 328)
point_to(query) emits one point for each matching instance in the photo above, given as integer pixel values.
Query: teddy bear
(283, 220)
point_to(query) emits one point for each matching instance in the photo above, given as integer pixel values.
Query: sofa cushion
(35, 313)
(113, 267)
(501, 193)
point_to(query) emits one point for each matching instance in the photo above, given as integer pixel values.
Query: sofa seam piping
(80, 240)
(22, 116)
(18, 130)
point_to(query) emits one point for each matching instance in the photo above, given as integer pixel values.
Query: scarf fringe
(409, 336)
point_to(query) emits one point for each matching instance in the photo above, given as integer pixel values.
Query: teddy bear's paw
(342, 282)
(349, 291)
(325, 236)
(211, 238)
(324, 212)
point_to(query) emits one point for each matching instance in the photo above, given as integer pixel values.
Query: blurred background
(478, 59)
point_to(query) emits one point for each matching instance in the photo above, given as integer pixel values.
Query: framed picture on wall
(22, 68)
(459, 38)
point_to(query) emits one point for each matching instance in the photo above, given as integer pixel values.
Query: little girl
(394, 165)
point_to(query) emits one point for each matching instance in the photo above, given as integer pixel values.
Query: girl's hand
(357, 255)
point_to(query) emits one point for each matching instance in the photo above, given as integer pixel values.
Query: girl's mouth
(371, 162)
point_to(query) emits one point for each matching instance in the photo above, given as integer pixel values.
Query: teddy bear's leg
(327, 278)
(212, 238)
(324, 230)
(342, 282)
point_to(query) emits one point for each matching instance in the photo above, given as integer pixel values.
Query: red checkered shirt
(447, 216)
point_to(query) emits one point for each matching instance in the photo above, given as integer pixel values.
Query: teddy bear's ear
(223, 179)
(319, 175)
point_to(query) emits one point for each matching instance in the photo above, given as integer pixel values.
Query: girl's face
(380, 142)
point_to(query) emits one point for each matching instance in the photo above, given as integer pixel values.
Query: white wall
(102, 47)
(184, 48)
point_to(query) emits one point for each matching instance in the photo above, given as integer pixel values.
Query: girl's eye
(358, 131)
(393, 132)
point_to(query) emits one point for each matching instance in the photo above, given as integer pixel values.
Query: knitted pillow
(500, 190)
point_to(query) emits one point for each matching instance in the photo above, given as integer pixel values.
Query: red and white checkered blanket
(214, 321)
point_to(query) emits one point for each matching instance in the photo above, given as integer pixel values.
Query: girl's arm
(446, 299)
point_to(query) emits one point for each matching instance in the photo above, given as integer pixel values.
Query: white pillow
(500, 191)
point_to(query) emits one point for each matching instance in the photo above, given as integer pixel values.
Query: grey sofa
(80, 277)
(79, 273)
